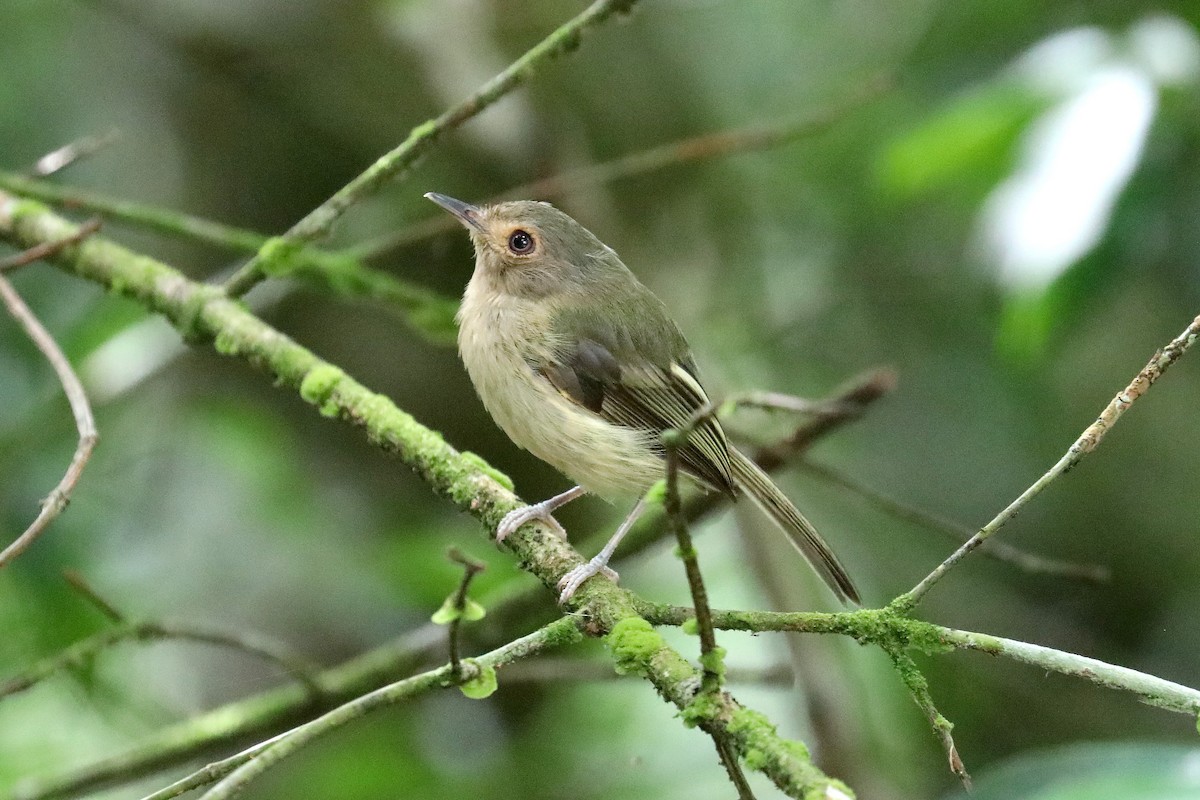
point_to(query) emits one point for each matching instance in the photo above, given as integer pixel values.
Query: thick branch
(268, 712)
(204, 312)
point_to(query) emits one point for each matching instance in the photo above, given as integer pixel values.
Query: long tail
(766, 495)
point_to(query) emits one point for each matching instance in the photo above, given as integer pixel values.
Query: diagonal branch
(557, 633)
(320, 220)
(83, 651)
(942, 728)
(56, 501)
(995, 548)
(1088, 441)
(693, 149)
(270, 711)
(205, 312)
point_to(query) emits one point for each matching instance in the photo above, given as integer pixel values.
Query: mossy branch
(893, 631)
(268, 712)
(205, 313)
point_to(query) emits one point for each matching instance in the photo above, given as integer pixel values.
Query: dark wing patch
(646, 397)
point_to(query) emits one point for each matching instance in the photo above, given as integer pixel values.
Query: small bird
(579, 363)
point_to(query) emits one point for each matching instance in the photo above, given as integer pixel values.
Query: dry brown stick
(48, 248)
(704, 147)
(996, 548)
(57, 500)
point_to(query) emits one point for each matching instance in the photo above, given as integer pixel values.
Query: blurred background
(1000, 203)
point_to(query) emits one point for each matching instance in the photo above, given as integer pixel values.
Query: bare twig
(711, 656)
(83, 651)
(212, 772)
(56, 501)
(709, 652)
(1088, 441)
(471, 568)
(77, 582)
(41, 251)
(320, 220)
(845, 404)
(996, 548)
(729, 761)
(704, 147)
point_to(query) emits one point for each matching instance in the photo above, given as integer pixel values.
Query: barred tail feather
(767, 496)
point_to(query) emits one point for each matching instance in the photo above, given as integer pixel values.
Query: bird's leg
(543, 511)
(571, 582)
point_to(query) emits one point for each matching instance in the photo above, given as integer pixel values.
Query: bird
(581, 364)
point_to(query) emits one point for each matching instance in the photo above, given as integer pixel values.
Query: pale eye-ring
(520, 242)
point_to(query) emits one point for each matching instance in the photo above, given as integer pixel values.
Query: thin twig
(729, 760)
(320, 220)
(41, 251)
(212, 772)
(141, 215)
(942, 728)
(705, 147)
(687, 552)
(996, 548)
(886, 626)
(575, 670)
(57, 500)
(68, 154)
(471, 568)
(85, 590)
(303, 671)
(847, 404)
(1088, 441)
(554, 634)
(711, 656)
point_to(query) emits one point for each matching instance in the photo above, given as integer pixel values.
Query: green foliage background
(214, 497)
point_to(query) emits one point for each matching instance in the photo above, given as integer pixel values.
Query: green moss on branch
(206, 313)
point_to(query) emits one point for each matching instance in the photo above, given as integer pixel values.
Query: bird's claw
(570, 583)
(518, 517)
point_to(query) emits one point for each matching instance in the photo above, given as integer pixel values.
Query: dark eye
(520, 242)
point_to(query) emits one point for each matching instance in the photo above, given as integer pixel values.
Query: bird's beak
(467, 214)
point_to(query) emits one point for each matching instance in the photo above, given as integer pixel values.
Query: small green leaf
(482, 685)
(472, 611)
(446, 614)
